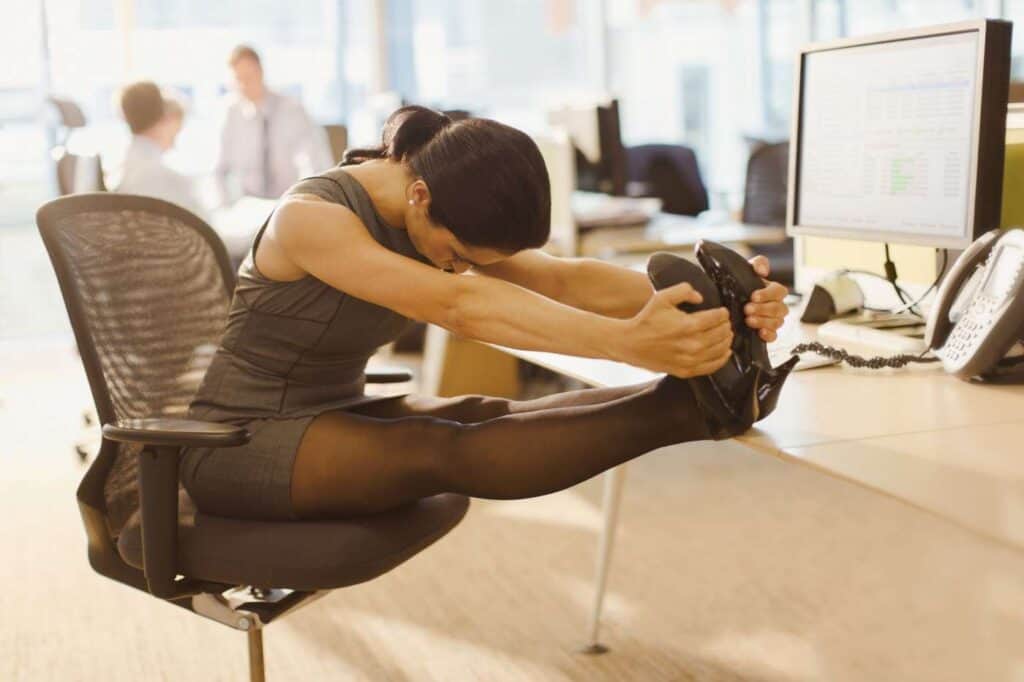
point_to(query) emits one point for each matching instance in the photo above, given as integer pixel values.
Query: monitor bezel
(986, 179)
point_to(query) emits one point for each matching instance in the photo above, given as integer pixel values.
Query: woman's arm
(583, 283)
(616, 291)
(329, 242)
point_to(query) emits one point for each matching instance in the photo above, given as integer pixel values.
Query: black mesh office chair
(669, 172)
(764, 203)
(80, 173)
(147, 287)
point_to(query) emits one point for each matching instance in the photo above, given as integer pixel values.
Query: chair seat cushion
(302, 555)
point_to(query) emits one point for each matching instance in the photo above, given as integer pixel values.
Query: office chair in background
(670, 173)
(764, 203)
(145, 352)
(69, 117)
(337, 137)
(75, 172)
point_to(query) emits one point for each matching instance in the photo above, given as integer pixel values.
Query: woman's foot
(702, 417)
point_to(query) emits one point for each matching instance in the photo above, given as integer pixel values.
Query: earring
(411, 202)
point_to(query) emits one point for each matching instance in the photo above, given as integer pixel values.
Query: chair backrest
(764, 197)
(70, 114)
(671, 173)
(147, 286)
(337, 138)
(78, 173)
(69, 117)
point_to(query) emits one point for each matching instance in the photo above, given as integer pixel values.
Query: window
(779, 23)
(1014, 11)
(509, 60)
(873, 16)
(690, 73)
(840, 18)
(96, 46)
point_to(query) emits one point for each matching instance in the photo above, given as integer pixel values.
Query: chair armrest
(162, 440)
(161, 432)
(388, 375)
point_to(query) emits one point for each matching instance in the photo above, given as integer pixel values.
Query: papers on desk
(673, 232)
(593, 209)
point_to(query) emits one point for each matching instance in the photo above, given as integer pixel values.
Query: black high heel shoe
(745, 389)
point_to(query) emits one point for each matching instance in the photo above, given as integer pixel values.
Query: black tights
(385, 454)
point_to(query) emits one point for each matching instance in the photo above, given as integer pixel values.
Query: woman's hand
(662, 338)
(766, 311)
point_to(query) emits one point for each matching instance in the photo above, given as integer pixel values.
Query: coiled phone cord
(894, 361)
(880, 362)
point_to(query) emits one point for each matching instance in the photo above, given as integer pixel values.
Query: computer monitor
(600, 155)
(900, 137)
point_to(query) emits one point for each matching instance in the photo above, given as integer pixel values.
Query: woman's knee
(465, 409)
(416, 450)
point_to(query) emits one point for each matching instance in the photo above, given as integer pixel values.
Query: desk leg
(456, 366)
(614, 480)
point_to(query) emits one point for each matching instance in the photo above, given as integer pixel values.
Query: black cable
(878, 362)
(935, 283)
(900, 291)
(890, 274)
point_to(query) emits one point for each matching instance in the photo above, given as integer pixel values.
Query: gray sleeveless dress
(290, 351)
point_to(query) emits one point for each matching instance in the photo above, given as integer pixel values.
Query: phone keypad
(988, 301)
(971, 328)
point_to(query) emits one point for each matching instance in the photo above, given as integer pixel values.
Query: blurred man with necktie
(267, 140)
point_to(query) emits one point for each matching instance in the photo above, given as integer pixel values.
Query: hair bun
(408, 129)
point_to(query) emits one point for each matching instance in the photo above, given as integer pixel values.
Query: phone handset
(987, 285)
(952, 290)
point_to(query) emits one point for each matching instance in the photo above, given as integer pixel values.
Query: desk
(672, 232)
(626, 246)
(919, 435)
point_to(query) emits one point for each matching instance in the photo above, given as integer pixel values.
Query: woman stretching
(440, 224)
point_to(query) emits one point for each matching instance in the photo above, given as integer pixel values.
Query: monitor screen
(887, 139)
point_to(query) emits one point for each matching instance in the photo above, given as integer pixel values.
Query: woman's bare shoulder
(303, 222)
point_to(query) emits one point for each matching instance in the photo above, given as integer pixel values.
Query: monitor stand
(878, 333)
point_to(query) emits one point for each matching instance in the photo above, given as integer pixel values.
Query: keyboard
(890, 340)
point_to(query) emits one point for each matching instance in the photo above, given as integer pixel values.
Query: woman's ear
(418, 194)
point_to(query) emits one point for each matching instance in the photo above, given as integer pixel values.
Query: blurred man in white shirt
(267, 141)
(155, 120)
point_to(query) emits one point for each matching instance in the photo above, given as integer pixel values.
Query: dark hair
(240, 52)
(488, 182)
(142, 105)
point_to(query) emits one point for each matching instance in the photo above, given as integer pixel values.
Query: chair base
(250, 609)
(257, 673)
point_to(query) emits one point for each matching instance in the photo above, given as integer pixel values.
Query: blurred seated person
(267, 141)
(155, 118)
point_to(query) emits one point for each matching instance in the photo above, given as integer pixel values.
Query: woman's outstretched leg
(351, 464)
(470, 409)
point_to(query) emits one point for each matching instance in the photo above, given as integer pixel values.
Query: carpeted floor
(729, 566)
